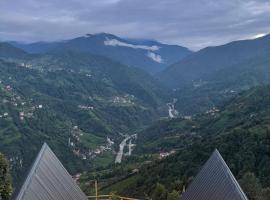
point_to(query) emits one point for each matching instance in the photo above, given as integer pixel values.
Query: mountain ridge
(150, 57)
(201, 64)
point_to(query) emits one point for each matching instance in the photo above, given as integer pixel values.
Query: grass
(120, 186)
(104, 159)
(92, 141)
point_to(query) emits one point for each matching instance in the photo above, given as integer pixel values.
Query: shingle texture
(215, 181)
(49, 180)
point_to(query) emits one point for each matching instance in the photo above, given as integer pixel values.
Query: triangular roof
(49, 180)
(215, 181)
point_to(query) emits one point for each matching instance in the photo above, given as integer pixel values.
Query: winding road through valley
(122, 145)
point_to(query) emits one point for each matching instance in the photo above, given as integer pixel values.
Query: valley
(80, 104)
(124, 123)
(135, 100)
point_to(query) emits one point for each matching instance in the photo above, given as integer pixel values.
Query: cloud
(155, 57)
(193, 23)
(258, 35)
(114, 42)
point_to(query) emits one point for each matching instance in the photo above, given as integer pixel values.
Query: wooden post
(96, 187)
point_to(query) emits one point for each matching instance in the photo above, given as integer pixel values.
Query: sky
(191, 23)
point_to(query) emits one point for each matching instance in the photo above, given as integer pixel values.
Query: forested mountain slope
(77, 103)
(150, 56)
(240, 131)
(206, 62)
(84, 105)
(213, 75)
(8, 51)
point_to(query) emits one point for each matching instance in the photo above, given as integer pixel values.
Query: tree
(266, 194)
(174, 195)
(160, 193)
(5, 179)
(251, 186)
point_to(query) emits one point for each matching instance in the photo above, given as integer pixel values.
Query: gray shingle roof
(215, 181)
(49, 180)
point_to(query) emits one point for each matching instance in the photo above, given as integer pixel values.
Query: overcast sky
(191, 23)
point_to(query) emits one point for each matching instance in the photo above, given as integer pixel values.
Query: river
(171, 109)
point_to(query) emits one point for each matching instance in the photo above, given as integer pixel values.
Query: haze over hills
(149, 55)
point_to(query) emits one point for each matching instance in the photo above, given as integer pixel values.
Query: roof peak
(214, 181)
(48, 179)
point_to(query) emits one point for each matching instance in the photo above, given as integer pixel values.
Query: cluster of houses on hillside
(74, 142)
(166, 154)
(124, 100)
(84, 107)
(25, 65)
(13, 99)
(212, 111)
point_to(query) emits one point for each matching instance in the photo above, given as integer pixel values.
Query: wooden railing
(109, 197)
(106, 197)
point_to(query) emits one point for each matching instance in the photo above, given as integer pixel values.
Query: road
(122, 145)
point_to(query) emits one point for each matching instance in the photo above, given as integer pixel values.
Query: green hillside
(213, 75)
(8, 51)
(85, 105)
(73, 105)
(206, 62)
(240, 131)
